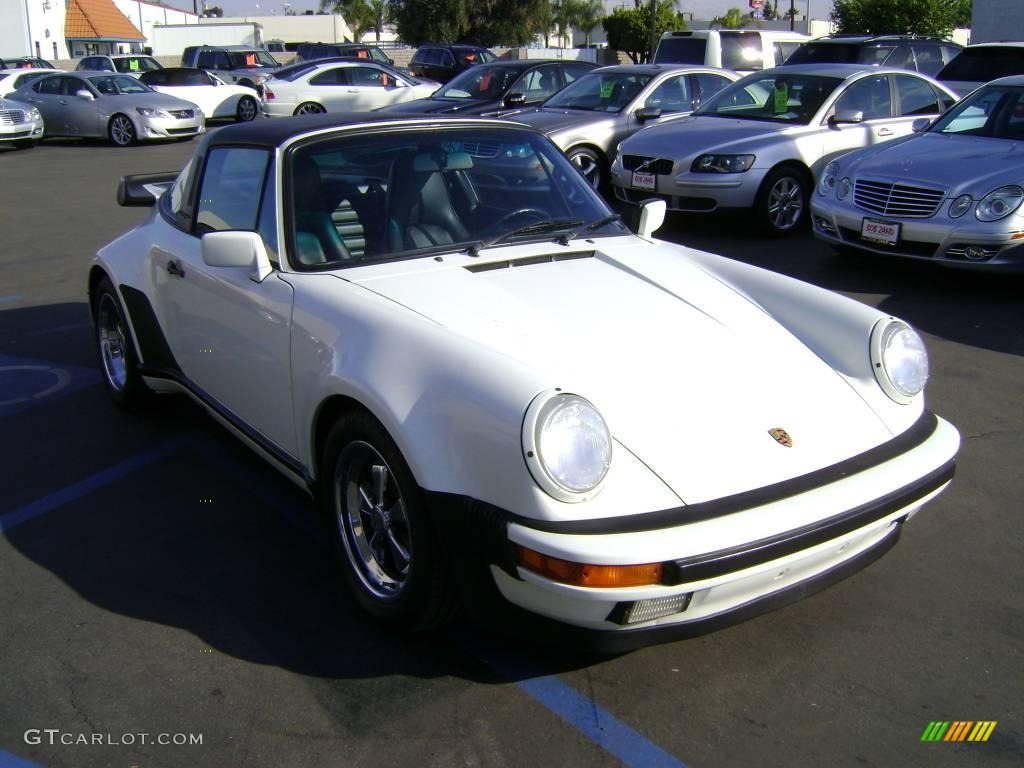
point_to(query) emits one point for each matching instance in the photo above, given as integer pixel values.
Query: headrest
(450, 161)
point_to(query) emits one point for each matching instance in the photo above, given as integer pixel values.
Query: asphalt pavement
(158, 582)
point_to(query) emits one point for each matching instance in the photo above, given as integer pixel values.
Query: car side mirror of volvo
(847, 116)
(515, 100)
(652, 216)
(648, 113)
(84, 94)
(237, 249)
(921, 124)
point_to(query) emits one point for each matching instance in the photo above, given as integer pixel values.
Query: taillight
(267, 93)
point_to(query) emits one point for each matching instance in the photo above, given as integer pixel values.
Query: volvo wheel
(782, 202)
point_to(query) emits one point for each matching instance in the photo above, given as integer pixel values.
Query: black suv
(312, 51)
(440, 62)
(926, 55)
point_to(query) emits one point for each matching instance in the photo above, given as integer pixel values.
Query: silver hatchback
(760, 143)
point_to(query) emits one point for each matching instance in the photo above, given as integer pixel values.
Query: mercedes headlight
(33, 114)
(844, 187)
(899, 359)
(999, 203)
(829, 179)
(722, 164)
(567, 445)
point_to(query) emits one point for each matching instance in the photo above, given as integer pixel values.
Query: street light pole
(654, 29)
(792, 15)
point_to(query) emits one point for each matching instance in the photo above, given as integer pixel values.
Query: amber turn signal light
(586, 575)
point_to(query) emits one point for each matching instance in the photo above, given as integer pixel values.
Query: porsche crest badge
(781, 437)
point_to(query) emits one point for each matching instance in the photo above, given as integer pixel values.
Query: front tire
(246, 110)
(383, 541)
(590, 164)
(119, 367)
(121, 130)
(783, 201)
(309, 108)
(25, 143)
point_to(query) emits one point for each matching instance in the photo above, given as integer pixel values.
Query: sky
(701, 9)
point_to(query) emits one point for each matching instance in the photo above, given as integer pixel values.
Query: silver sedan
(115, 106)
(761, 142)
(952, 194)
(590, 116)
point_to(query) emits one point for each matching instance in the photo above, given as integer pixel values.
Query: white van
(741, 50)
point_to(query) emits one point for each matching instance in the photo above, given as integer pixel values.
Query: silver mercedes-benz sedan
(590, 116)
(115, 106)
(760, 143)
(951, 194)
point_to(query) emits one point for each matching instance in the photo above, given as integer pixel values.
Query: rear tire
(309, 108)
(121, 130)
(119, 367)
(383, 541)
(246, 110)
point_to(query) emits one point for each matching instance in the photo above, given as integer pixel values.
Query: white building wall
(997, 20)
(33, 27)
(145, 15)
(297, 29)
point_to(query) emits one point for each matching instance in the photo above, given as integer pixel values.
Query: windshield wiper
(536, 228)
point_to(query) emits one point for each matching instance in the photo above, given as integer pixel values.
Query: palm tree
(588, 15)
(358, 14)
(733, 19)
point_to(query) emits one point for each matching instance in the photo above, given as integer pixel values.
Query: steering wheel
(536, 212)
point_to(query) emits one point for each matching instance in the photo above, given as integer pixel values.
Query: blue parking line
(39, 507)
(4, 300)
(7, 760)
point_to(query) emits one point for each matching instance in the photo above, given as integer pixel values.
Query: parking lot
(160, 582)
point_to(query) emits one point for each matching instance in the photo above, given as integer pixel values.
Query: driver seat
(422, 213)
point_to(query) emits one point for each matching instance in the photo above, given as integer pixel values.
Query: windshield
(111, 85)
(832, 53)
(600, 92)
(253, 58)
(778, 97)
(980, 65)
(136, 64)
(481, 82)
(993, 111)
(460, 189)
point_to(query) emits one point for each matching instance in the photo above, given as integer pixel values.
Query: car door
(871, 98)
(915, 98)
(81, 115)
(537, 84)
(370, 87)
(229, 334)
(330, 88)
(46, 96)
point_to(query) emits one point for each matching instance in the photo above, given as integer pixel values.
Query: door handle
(885, 132)
(174, 268)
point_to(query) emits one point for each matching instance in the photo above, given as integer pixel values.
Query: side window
(221, 60)
(707, 86)
(205, 59)
(72, 85)
(928, 57)
(783, 51)
(330, 77)
(916, 97)
(673, 95)
(49, 85)
(434, 57)
(870, 96)
(573, 71)
(367, 76)
(447, 60)
(742, 50)
(229, 197)
(538, 83)
(902, 57)
(949, 52)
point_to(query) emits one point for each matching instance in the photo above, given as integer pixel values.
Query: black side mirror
(647, 113)
(514, 100)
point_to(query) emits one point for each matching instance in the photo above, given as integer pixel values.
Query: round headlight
(829, 178)
(999, 203)
(843, 188)
(960, 206)
(899, 359)
(567, 445)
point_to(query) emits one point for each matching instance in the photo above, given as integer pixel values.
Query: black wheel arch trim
(155, 351)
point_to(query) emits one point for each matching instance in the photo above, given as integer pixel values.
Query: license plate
(884, 232)
(643, 180)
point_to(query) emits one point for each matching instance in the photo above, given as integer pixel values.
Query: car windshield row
(606, 92)
(994, 111)
(779, 97)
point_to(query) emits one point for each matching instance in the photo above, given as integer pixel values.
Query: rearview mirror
(847, 116)
(515, 100)
(84, 94)
(237, 249)
(647, 113)
(652, 216)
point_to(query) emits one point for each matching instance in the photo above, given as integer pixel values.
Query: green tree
(358, 14)
(734, 19)
(629, 29)
(505, 22)
(588, 15)
(435, 21)
(922, 17)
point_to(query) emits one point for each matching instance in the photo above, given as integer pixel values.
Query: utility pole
(654, 29)
(792, 15)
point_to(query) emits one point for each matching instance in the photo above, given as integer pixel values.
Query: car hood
(689, 135)
(954, 163)
(155, 99)
(443, 106)
(697, 378)
(550, 120)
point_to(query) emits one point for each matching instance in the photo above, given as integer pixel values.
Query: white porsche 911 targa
(439, 329)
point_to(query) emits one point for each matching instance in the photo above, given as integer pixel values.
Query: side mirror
(84, 94)
(921, 124)
(652, 216)
(143, 190)
(647, 113)
(514, 100)
(847, 116)
(237, 249)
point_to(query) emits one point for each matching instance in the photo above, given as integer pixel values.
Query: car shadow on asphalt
(977, 308)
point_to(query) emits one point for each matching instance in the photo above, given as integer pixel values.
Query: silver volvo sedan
(589, 117)
(952, 193)
(115, 106)
(760, 143)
